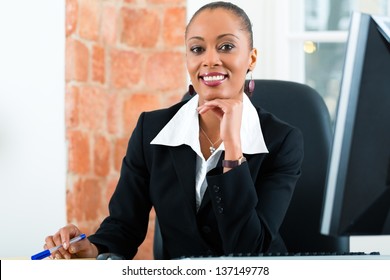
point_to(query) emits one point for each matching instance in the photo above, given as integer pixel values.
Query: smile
(213, 79)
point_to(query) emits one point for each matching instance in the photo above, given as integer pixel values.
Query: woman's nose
(211, 58)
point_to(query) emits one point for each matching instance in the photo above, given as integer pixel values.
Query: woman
(219, 172)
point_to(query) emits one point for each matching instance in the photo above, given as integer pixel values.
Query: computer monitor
(357, 195)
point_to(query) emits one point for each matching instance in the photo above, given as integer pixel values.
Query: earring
(249, 86)
(191, 90)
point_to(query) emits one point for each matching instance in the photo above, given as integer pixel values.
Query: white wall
(32, 141)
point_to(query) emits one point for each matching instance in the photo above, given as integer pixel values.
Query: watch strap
(233, 163)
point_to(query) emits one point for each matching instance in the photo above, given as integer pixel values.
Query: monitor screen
(357, 197)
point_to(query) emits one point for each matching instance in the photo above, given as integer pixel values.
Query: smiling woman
(219, 54)
(227, 198)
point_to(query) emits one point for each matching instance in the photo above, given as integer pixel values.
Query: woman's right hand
(81, 249)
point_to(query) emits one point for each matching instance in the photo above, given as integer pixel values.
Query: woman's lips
(213, 79)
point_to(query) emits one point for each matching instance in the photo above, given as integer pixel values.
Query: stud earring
(249, 86)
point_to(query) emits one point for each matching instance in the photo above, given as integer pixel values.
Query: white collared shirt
(183, 128)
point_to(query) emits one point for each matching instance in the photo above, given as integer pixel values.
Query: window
(320, 41)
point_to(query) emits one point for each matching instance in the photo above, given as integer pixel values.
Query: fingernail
(65, 245)
(72, 250)
(57, 257)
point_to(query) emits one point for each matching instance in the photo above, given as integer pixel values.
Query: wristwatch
(233, 163)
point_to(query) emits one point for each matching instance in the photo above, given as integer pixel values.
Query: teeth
(213, 78)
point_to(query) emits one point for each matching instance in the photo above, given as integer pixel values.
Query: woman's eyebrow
(227, 35)
(218, 37)
(196, 38)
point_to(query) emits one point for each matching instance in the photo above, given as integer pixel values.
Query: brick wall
(122, 57)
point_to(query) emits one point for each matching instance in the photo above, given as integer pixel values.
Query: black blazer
(241, 211)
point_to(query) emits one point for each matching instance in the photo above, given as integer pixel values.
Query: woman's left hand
(229, 111)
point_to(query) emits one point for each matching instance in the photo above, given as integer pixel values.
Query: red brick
(95, 224)
(110, 48)
(172, 99)
(183, 2)
(92, 108)
(111, 186)
(78, 151)
(71, 16)
(101, 156)
(86, 228)
(98, 64)
(71, 106)
(86, 197)
(114, 116)
(140, 27)
(109, 24)
(89, 17)
(120, 152)
(77, 59)
(174, 26)
(70, 215)
(136, 104)
(126, 68)
(165, 71)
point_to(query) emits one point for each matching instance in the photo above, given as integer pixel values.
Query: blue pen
(48, 252)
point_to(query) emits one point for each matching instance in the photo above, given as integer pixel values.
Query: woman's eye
(196, 49)
(226, 47)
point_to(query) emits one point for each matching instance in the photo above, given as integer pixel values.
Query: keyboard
(299, 255)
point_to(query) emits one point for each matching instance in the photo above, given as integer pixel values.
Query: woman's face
(218, 55)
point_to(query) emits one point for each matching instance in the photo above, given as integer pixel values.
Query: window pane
(322, 15)
(323, 70)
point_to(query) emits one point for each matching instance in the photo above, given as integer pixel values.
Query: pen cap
(82, 236)
(41, 255)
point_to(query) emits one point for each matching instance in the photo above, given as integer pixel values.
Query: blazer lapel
(184, 161)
